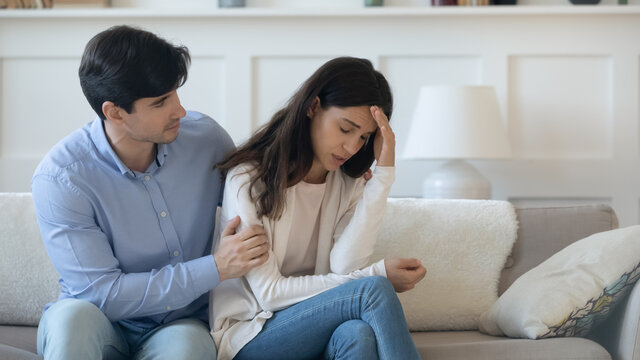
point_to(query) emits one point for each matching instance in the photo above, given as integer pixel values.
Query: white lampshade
(457, 122)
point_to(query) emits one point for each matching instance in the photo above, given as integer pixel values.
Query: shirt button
(147, 177)
(168, 308)
(163, 214)
(176, 253)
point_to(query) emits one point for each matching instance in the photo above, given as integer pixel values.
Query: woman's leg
(353, 340)
(304, 330)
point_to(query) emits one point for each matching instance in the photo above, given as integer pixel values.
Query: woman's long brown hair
(281, 154)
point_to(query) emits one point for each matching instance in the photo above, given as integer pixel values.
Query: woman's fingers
(385, 141)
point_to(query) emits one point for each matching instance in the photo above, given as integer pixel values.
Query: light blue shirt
(137, 245)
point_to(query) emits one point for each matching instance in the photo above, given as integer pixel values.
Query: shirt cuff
(380, 268)
(385, 174)
(204, 274)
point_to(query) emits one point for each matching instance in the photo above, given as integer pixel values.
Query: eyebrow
(356, 125)
(159, 100)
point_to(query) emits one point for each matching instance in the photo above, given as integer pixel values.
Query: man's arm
(83, 256)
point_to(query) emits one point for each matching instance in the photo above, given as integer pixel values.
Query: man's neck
(136, 155)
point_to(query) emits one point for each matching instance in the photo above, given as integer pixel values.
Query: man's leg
(184, 339)
(353, 340)
(303, 331)
(77, 330)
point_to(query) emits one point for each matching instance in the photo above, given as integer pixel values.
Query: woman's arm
(272, 290)
(357, 230)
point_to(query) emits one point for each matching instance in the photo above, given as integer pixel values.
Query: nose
(352, 145)
(180, 111)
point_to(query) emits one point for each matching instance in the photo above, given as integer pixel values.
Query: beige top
(302, 248)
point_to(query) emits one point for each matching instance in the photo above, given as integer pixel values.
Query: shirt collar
(105, 150)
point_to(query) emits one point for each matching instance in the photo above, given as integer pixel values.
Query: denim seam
(376, 331)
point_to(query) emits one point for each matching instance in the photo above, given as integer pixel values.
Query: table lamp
(457, 123)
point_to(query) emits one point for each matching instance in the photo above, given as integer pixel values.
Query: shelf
(250, 12)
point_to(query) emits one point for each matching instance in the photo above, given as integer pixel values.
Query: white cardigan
(351, 214)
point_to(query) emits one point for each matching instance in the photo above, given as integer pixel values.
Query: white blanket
(463, 244)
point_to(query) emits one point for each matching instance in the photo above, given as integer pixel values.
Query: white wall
(567, 80)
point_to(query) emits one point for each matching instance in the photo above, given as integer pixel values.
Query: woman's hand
(384, 144)
(404, 274)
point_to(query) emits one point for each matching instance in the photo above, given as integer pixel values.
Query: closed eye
(344, 131)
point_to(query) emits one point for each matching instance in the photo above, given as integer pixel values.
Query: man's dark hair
(123, 64)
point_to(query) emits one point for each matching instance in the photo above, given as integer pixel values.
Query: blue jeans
(77, 330)
(361, 319)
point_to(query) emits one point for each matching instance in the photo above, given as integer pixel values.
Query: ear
(315, 105)
(112, 112)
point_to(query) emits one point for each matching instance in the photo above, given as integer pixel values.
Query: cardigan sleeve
(357, 230)
(272, 290)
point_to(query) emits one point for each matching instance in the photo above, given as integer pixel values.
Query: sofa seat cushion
(21, 337)
(455, 345)
(11, 353)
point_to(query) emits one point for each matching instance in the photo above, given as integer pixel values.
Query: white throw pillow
(29, 280)
(462, 243)
(571, 291)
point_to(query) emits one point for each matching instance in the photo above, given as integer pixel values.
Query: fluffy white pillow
(571, 291)
(28, 280)
(462, 243)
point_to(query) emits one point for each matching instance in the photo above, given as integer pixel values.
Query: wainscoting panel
(561, 106)
(275, 79)
(36, 95)
(204, 90)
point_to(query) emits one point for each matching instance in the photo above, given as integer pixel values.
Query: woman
(300, 176)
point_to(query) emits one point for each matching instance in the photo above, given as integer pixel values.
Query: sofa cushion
(462, 243)
(28, 280)
(545, 231)
(11, 353)
(571, 291)
(20, 337)
(455, 345)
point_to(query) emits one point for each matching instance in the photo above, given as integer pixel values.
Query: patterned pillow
(572, 291)
(581, 320)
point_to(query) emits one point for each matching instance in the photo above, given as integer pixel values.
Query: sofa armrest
(620, 333)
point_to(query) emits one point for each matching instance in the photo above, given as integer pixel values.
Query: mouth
(339, 159)
(175, 126)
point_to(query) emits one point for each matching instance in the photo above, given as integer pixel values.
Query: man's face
(155, 119)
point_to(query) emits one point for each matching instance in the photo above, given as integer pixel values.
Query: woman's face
(338, 133)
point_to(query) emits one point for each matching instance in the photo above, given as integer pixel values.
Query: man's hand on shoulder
(240, 252)
(404, 274)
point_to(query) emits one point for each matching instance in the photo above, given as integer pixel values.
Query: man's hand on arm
(403, 273)
(240, 252)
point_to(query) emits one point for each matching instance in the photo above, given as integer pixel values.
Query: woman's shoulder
(243, 175)
(247, 168)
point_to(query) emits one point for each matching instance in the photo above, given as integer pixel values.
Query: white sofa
(28, 281)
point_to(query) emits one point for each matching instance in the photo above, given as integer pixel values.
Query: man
(126, 206)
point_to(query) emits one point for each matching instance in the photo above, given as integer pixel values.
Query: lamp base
(456, 179)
